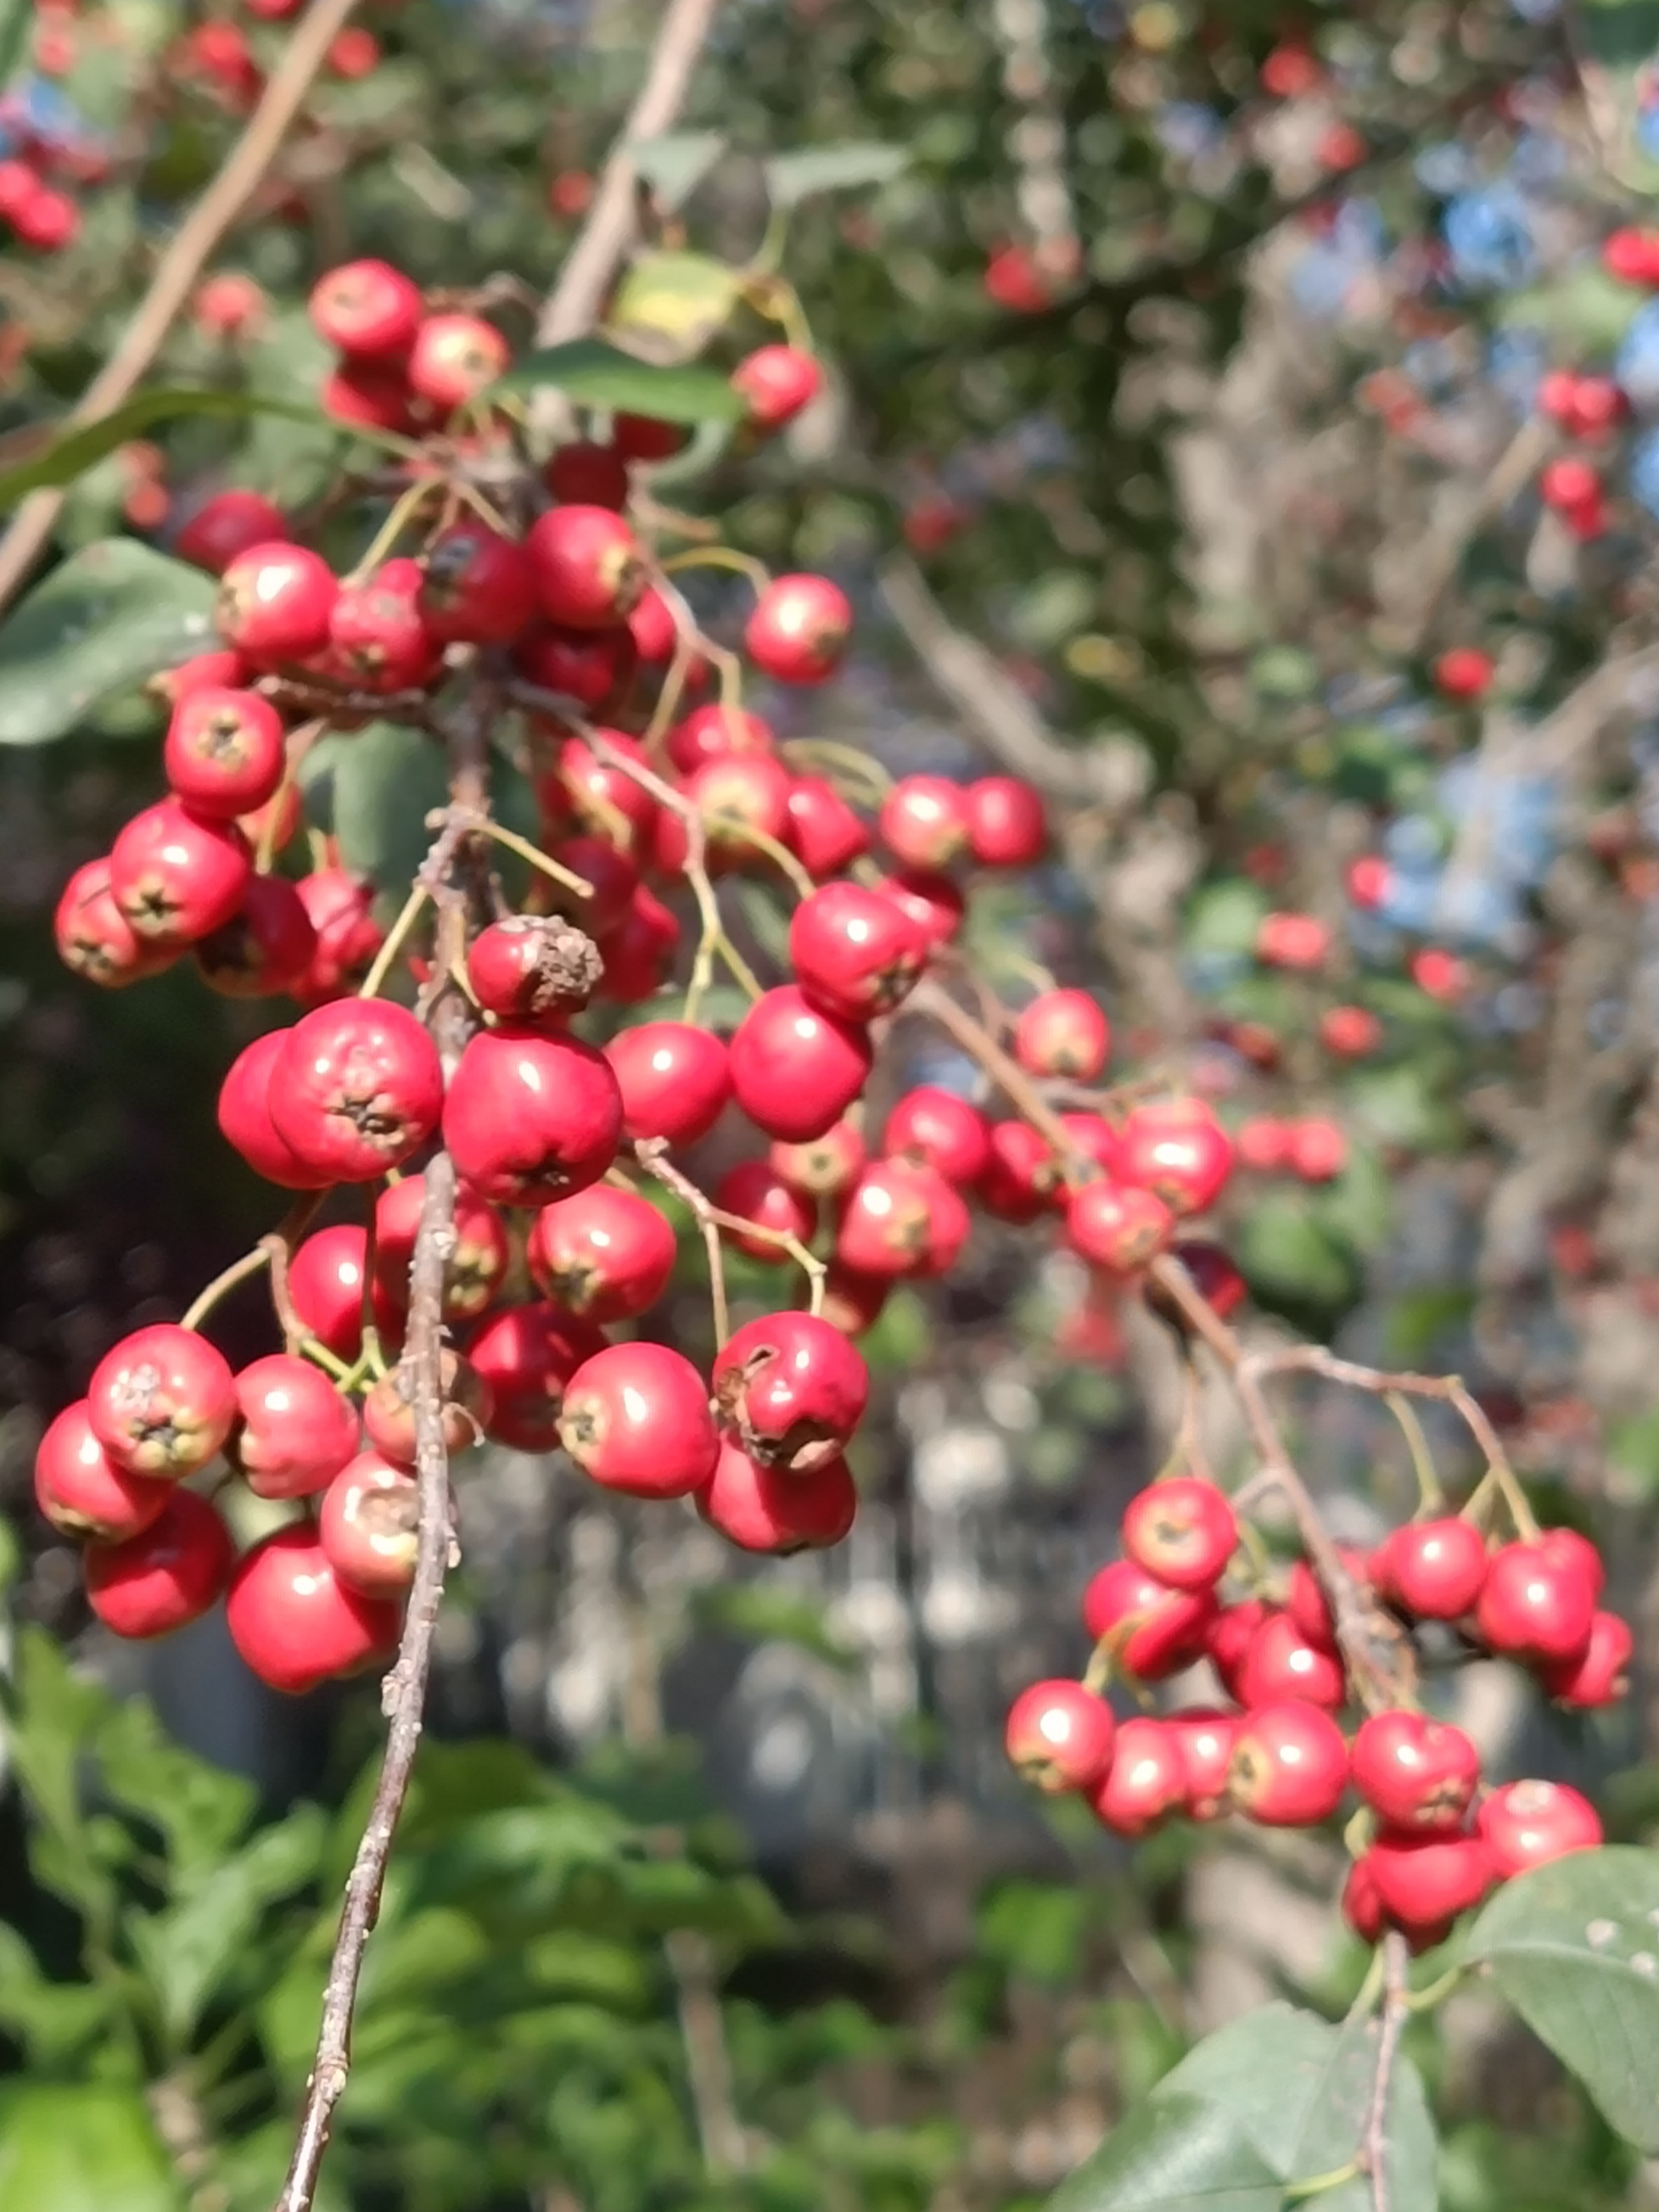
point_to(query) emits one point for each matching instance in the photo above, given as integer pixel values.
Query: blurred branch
(707, 2059)
(192, 246)
(1394, 1993)
(1442, 554)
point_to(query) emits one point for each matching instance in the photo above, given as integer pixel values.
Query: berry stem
(239, 1271)
(720, 556)
(483, 826)
(1431, 1498)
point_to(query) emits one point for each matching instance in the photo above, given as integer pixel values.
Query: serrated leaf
(104, 621)
(792, 177)
(76, 451)
(677, 163)
(1574, 1948)
(82, 2149)
(595, 374)
(1174, 2153)
(670, 305)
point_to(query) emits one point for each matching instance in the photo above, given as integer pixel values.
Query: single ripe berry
(1369, 879)
(636, 954)
(1063, 1033)
(230, 523)
(94, 938)
(1292, 940)
(1425, 1883)
(798, 628)
(479, 588)
(177, 876)
(793, 1387)
(1417, 1775)
(1290, 1766)
(643, 438)
(325, 1279)
(1205, 1739)
(357, 1088)
(378, 637)
(796, 1070)
(1153, 1630)
(525, 1355)
(1535, 1606)
(656, 635)
(854, 953)
(165, 1577)
(586, 564)
(1117, 1226)
(1263, 1143)
(533, 967)
(1352, 1031)
(365, 308)
(273, 604)
(1433, 1569)
(531, 1117)
(944, 1132)
(1181, 1530)
(716, 732)
(1315, 1149)
(476, 1269)
(607, 797)
(368, 1523)
(582, 474)
(373, 395)
(224, 752)
(851, 1301)
(465, 1409)
(1060, 1736)
(267, 946)
(1005, 825)
(1022, 1179)
(902, 1218)
(81, 1490)
(612, 877)
(636, 1418)
(765, 1509)
(245, 1116)
(1281, 1663)
(453, 357)
(931, 898)
(1307, 1604)
(1212, 1275)
(1601, 1676)
(295, 1622)
(753, 1191)
(341, 910)
(294, 1430)
(924, 822)
(1177, 1149)
(776, 382)
(1527, 1824)
(739, 797)
(826, 834)
(675, 1080)
(1147, 1781)
(161, 1401)
(607, 1255)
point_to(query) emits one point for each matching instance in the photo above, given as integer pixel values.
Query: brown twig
(1373, 2155)
(712, 1219)
(239, 179)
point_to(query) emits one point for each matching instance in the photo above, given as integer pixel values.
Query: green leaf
(765, 1614)
(54, 2020)
(1173, 2154)
(595, 374)
(1036, 1928)
(1357, 1207)
(201, 1810)
(16, 17)
(671, 304)
(82, 2149)
(105, 620)
(1585, 307)
(1574, 1948)
(677, 163)
(1225, 917)
(792, 177)
(78, 450)
(53, 1716)
(375, 788)
(1289, 1256)
(1334, 2128)
(1265, 2073)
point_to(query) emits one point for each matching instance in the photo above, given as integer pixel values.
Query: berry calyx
(607, 1255)
(357, 1088)
(1060, 1736)
(1183, 1530)
(94, 938)
(636, 1418)
(798, 628)
(176, 876)
(268, 945)
(165, 1577)
(901, 1218)
(161, 1401)
(854, 953)
(476, 1269)
(824, 1166)
(224, 750)
(924, 822)
(478, 587)
(1063, 1033)
(793, 1387)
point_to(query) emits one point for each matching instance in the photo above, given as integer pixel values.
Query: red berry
(479, 588)
(585, 475)
(824, 1166)
(1601, 1677)
(855, 954)
(607, 1255)
(367, 308)
(794, 1388)
(588, 566)
(826, 834)
(944, 1132)
(1440, 975)
(354, 52)
(294, 1429)
(775, 383)
(1063, 1033)
(1426, 1882)
(1308, 1607)
(341, 910)
(467, 1408)
(273, 604)
(453, 357)
(851, 1301)
(1317, 1148)
(531, 1117)
(161, 1401)
(1369, 879)
(1417, 1775)
(1147, 1781)
(1352, 1031)
(675, 1080)
(642, 438)
(1153, 1630)
(651, 624)
(245, 1116)
(765, 1509)
(1205, 1739)
(475, 1270)
(798, 628)
(81, 1490)
(1527, 1824)
(165, 1577)
(1282, 1663)
(1022, 1179)
(1434, 1570)
(1180, 1150)
(1292, 940)
(373, 394)
(592, 667)
(357, 1088)
(1181, 1530)
(1362, 1907)
(368, 1526)
(525, 1355)
(924, 822)
(1570, 484)
(738, 796)
(1264, 1143)
(1290, 1766)
(295, 1622)
(795, 1070)
(608, 797)
(1464, 673)
(268, 944)
(636, 954)
(533, 967)
(713, 733)
(224, 752)
(931, 899)
(228, 524)
(94, 937)
(325, 1283)
(1005, 825)
(1535, 1606)
(1231, 1634)
(902, 1218)
(1060, 1736)
(1117, 1226)
(754, 1191)
(176, 877)
(203, 671)
(377, 633)
(636, 1418)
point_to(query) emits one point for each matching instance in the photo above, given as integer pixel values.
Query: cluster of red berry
(1432, 1843)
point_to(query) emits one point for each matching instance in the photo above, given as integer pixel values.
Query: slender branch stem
(710, 1217)
(239, 1271)
(1374, 2152)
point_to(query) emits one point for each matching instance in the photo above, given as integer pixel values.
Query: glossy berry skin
(1417, 1775)
(1434, 1570)
(1060, 1736)
(294, 1430)
(1424, 1883)
(1181, 1530)
(675, 1080)
(268, 945)
(1153, 1630)
(1022, 1179)
(605, 1254)
(776, 382)
(1231, 1632)
(1307, 1604)
(533, 967)
(854, 953)
(793, 1387)
(373, 394)
(1117, 1226)
(924, 822)
(175, 876)
(754, 1191)
(1005, 825)
(1147, 1780)
(1205, 1739)
(1536, 1606)
(525, 1355)
(944, 1132)
(223, 753)
(273, 604)
(531, 1117)
(796, 1070)
(245, 1116)
(1601, 1676)
(1063, 1033)
(826, 834)
(714, 733)
(165, 1577)
(357, 1088)
(467, 1410)
(611, 877)
(230, 523)
(1362, 1908)
(636, 953)
(738, 796)
(1527, 1824)
(296, 1624)
(341, 910)
(325, 1283)
(851, 1301)
(453, 357)
(365, 308)
(767, 1509)
(586, 564)
(931, 898)
(378, 637)
(479, 588)
(94, 937)
(81, 1490)
(476, 1269)
(636, 1419)
(583, 474)
(902, 1218)
(1178, 1150)
(367, 1525)
(161, 1401)
(1290, 1766)
(1281, 1663)
(798, 630)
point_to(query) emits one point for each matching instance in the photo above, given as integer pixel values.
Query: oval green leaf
(792, 177)
(76, 451)
(105, 620)
(595, 374)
